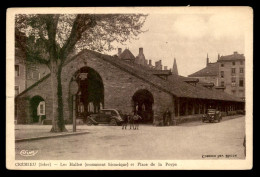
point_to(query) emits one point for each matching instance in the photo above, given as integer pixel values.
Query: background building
(227, 73)
(232, 74)
(27, 73)
(209, 74)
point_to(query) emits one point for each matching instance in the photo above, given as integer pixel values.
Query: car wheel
(89, 122)
(112, 122)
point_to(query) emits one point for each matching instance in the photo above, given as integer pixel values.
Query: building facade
(27, 73)
(228, 73)
(113, 82)
(232, 74)
(20, 72)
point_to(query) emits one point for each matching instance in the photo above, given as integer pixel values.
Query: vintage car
(106, 116)
(212, 115)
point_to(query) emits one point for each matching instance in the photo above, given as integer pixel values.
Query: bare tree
(50, 39)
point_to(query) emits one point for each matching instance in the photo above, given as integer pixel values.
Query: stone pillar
(193, 108)
(199, 108)
(186, 108)
(178, 106)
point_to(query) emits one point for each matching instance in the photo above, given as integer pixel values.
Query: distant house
(227, 74)
(232, 74)
(209, 74)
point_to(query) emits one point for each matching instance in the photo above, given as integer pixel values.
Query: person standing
(125, 121)
(167, 117)
(164, 118)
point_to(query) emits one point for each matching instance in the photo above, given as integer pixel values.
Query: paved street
(186, 141)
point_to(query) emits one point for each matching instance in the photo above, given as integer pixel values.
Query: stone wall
(119, 87)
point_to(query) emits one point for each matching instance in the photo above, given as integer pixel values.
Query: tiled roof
(126, 55)
(188, 79)
(199, 91)
(234, 56)
(210, 70)
(175, 84)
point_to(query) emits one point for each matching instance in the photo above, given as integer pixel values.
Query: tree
(51, 39)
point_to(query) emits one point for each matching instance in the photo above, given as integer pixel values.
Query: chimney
(119, 51)
(235, 52)
(158, 65)
(165, 67)
(141, 50)
(207, 60)
(218, 56)
(150, 62)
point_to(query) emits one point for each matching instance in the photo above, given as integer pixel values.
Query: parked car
(106, 116)
(212, 115)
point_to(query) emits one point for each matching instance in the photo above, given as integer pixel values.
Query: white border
(182, 164)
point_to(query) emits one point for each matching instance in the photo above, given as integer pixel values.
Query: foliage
(47, 37)
(51, 39)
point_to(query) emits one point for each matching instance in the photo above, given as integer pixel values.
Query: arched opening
(90, 96)
(37, 105)
(143, 105)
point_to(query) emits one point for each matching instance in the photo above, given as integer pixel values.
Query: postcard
(129, 88)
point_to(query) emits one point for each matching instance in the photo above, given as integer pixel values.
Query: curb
(232, 117)
(46, 137)
(199, 119)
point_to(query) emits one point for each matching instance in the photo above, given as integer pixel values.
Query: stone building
(20, 72)
(227, 74)
(232, 74)
(27, 73)
(118, 82)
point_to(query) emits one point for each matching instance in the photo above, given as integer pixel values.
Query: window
(107, 112)
(233, 81)
(17, 70)
(16, 88)
(222, 65)
(233, 71)
(241, 62)
(233, 63)
(113, 113)
(222, 84)
(241, 70)
(35, 75)
(241, 82)
(222, 74)
(41, 108)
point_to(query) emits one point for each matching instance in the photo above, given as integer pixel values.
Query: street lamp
(74, 89)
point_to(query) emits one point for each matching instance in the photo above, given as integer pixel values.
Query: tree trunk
(58, 124)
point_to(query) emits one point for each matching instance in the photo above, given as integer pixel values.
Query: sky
(189, 38)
